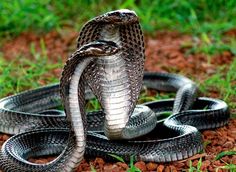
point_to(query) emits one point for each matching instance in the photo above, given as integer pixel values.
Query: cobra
(109, 60)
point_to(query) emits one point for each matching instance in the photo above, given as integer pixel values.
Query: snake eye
(122, 15)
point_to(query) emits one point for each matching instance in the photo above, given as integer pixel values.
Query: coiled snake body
(109, 59)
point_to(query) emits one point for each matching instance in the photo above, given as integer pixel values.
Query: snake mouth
(100, 48)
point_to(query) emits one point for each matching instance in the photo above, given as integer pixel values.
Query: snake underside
(109, 63)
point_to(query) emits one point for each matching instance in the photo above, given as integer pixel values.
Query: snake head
(99, 48)
(119, 17)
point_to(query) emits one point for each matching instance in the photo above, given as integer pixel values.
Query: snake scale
(108, 63)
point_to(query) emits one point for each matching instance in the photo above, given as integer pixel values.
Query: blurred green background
(191, 16)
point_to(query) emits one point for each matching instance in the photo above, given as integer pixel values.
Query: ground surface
(165, 52)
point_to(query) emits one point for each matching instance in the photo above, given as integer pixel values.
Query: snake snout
(123, 16)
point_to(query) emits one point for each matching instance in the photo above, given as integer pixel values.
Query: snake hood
(118, 78)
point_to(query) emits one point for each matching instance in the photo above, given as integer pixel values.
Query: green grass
(22, 73)
(145, 97)
(206, 143)
(195, 169)
(223, 81)
(210, 45)
(92, 168)
(131, 168)
(224, 153)
(206, 20)
(229, 167)
(203, 16)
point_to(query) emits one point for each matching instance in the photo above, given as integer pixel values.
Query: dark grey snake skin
(109, 59)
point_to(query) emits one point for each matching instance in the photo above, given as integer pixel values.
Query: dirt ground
(165, 52)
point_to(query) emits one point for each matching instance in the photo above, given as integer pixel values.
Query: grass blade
(199, 164)
(225, 153)
(117, 157)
